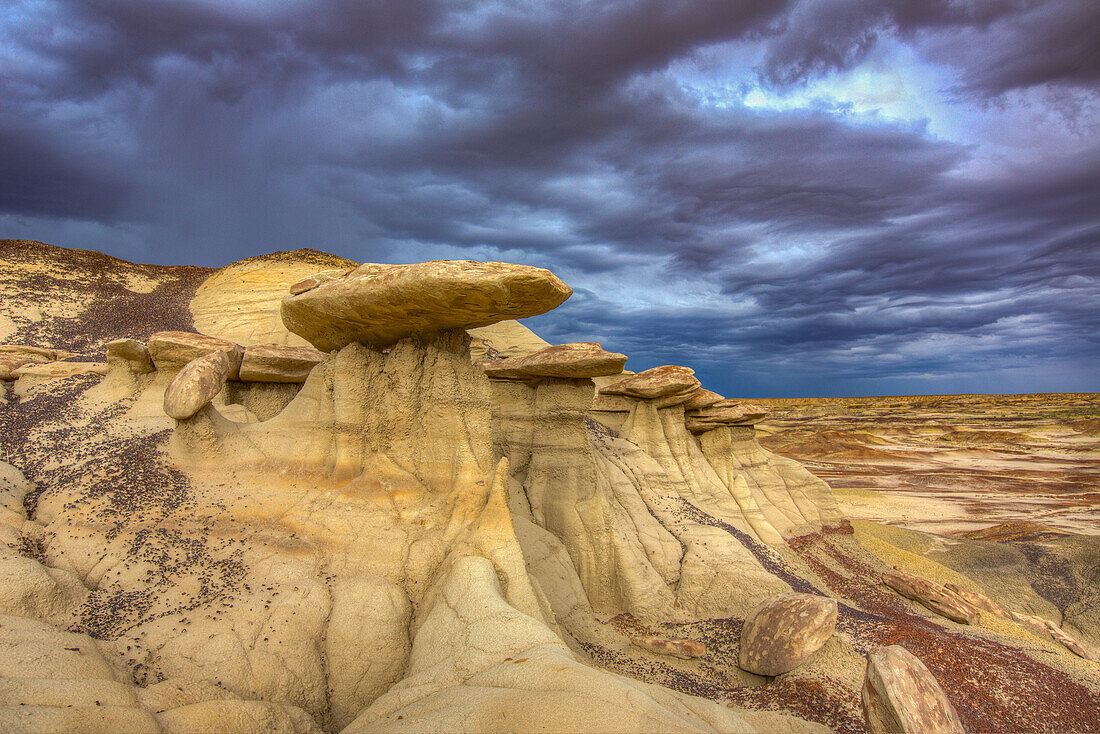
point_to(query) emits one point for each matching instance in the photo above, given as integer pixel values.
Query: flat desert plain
(951, 464)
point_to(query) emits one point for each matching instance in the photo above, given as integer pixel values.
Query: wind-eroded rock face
(273, 363)
(381, 304)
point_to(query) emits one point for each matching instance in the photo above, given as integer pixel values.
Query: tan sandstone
(196, 385)
(380, 304)
(675, 646)
(900, 695)
(933, 596)
(724, 413)
(171, 350)
(669, 384)
(132, 353)
(702, 398)
(783, 632)
(577, 360)
(273, 363)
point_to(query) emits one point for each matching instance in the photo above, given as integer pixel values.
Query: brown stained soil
(994, 687)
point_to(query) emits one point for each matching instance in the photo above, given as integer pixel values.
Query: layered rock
(196, 385)
(783, 632)
(577, 360)
(980, 601)
(171, 350)
(381, 304)
(933, 596)
(273, 363)
(668, 385)
(900, 695)
(702, 398)
(16, 356)
(724, 413)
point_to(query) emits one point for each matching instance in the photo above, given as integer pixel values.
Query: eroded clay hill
(302, 494)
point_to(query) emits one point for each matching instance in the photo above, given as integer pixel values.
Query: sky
(793, 197)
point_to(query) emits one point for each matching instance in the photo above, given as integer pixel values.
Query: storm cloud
(799, 197)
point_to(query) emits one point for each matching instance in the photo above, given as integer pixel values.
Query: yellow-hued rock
(380, 304)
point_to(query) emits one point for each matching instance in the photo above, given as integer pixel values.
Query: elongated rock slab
(900, 695)
(981, 601)
(381, 304)
(933, 596)
(674, 646)
(577, 360)
(171, 350)
(724, 413)
(195, 385)
(784, 631)
(273, 363)
(668, 382)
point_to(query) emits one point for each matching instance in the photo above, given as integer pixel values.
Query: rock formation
(441, 523)
(783, 632)
(569, 361)
(933, 596)
(381, 304)
(900, 696)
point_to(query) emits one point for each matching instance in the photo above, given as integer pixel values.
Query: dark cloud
(777, 251)
(999, 45)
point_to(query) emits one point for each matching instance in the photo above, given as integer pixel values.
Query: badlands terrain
(303, 494)
(950, 464)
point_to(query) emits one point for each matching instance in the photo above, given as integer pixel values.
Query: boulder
(578, 360)
(724, 413)
(901, 695)
(171, 350)
(273, 363)
(196, 385)
(378, 305)
(702, 398)
(784, 631)
(668, 384)
(132, 353)
(933, 596)
(674, 646)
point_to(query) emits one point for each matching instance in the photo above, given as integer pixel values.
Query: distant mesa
(378, 305)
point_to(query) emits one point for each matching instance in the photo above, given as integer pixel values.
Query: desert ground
(950, 464)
